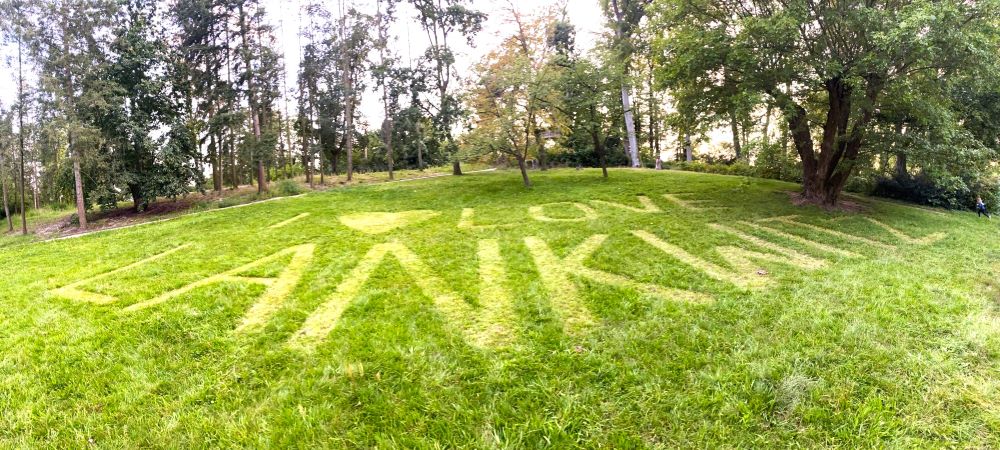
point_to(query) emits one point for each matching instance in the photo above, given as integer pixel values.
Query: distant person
(981, 208)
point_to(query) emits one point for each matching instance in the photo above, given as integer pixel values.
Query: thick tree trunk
(688, 148)
(138, 203)
(902, 173)
(825, 174)
(456, 165)
(261, 177)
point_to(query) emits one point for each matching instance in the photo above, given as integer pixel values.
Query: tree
(826, 65)
(15, 27)
(513, 84)
(440, 19)
(135, 105)
(354, 46)
(626, 15)
(247, 51)
(389, 77)
(200, 59)
(584, 91)
(68, 42)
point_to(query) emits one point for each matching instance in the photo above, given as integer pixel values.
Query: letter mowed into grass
(277, 291)
(482, 325)
(490, 321)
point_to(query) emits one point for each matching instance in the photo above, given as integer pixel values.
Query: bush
(286, 188)
(947, 192)
(740, 168)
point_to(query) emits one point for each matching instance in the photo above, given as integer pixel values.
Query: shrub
(286, 188)
(951, 192)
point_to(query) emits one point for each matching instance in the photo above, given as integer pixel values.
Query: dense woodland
(121, 102)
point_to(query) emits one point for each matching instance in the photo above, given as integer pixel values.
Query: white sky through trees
(409, 40)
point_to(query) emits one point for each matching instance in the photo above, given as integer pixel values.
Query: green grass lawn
(470, 312)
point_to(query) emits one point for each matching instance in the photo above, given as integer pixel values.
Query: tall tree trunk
(20, 139)
(261, 177)
(595, 136)
(349, 123)
(767, 124)
(456, 165)
(421, 146)
(3, 184)
(81, 208)
(688, 147)
(901, 171)
(254, 107)
(306, 157)
(305, 127)
(214, 135)
(213, 149)
(734, 126)
(234, 173)
(323, 158)
(603, 152)
(387, 140)
(543, 162)
(633, 144)
(34, 185)
(654, 126)
(288, 145)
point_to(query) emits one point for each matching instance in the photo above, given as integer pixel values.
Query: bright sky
(410, 38)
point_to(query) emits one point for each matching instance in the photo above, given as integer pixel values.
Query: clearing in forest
(652, 309)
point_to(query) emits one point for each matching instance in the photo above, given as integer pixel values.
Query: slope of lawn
(470, 312)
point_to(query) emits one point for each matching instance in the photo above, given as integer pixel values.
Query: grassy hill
(654, 309)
